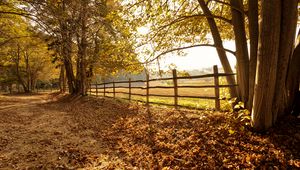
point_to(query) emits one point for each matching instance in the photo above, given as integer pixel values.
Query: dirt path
(39, 134)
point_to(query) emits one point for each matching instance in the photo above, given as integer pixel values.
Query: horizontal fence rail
(102, 88)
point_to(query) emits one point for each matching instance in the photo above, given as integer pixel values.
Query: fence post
(104, 89)
(96, 89)
(114, 89)
(129, 89)
(147, 89)
(175, 88)
(217, 90)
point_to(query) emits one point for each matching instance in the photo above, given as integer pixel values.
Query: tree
(28, 59)
(272, 96)
(80, 27)
(24, 56)
(276, 58)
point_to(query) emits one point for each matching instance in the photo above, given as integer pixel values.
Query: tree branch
(12, 38)
(182, 18)
(29, 16)
(15, 13)
(228, 4)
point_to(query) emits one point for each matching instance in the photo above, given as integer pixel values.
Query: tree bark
(62, 80)
(286, 46)
(33, 82)
(293, 78)
(253, 34)
(28, 72)
(242, 55)
(82, 50)
(69, 71)
(67, 56)
(17, 62)
(66, 36)
(78, 63)
(218, 42)
(262, 116)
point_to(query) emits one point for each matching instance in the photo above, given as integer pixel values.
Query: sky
(198, 58)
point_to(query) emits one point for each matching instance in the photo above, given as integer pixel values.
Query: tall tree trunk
(26, 56)
(218, 42)
(66, 35)
(33, 82)
(293, 78)
(82, 50)
(84, 4)
(78, 63)
(242, 55)
(262, 116)
(67, 57)
(62, 79)
(95, 55)
(17, 62)
(254, 34)
(286, 46)
(277, 64)
(70, 74)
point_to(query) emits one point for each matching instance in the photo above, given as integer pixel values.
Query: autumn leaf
(231, 132)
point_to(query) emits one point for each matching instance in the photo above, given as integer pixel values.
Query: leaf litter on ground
(117, 134)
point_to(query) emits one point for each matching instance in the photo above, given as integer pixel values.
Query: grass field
(187, 102)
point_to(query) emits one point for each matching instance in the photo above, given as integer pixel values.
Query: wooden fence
(94, 88)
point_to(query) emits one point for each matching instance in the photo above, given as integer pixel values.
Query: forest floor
(53, 131)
